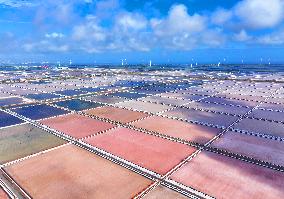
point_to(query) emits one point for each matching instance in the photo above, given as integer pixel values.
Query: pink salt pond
(72, 172)
(224, 177)
(179, 129)
(116, 114)
(151, 152)
(76, 125)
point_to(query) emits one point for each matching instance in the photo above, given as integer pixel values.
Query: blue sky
(164, 31)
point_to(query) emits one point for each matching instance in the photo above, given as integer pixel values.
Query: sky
(164, 31)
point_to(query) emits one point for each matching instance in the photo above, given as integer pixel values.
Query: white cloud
(89, 36)
(90, 30)
(128, 32)
(18, 4)
(106, 9)
(28, 47)
(52, 13)
(178, 30)
(45, 46)
(260, 13)
(213, 38)
(54, 35)
(242, 36)
(178, 21)
(131, 21)
(105, 5)
(221, 16)
(133, 31)
(63, 13)
(276, 38)
(10, 41)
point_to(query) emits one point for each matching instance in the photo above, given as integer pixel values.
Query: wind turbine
(192, 62)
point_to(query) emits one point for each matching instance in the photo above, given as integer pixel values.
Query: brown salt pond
(3, 194)
(23, 140)
(165, 193)
(116, 114)
(151, 152)
(179, 129)
(76, 125)
(225, 177)
(72, 172)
